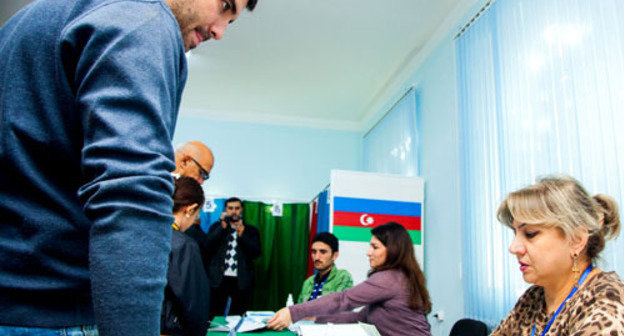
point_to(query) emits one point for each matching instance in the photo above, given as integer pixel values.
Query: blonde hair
(561, 201)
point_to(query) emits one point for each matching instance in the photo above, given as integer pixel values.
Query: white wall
(264, 161)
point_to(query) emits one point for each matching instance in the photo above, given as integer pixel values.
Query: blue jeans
(28, 331)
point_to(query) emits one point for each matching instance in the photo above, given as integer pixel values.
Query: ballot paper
(260, 316)
(351, 329)
(253, 320)
(296, 327)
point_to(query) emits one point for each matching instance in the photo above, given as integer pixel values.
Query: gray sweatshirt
(89, 96)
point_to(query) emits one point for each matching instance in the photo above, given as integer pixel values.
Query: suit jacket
(247, 249)
(196, 232)
(187, 294)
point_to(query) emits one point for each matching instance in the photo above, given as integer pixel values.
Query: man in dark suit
(233, 245)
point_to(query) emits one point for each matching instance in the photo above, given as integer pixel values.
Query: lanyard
(585, 274)
(318, 288)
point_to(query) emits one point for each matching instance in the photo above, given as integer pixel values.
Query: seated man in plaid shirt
(328, 278)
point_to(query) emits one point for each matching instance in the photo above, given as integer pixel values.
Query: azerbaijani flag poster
(355, 217)
(360, 201)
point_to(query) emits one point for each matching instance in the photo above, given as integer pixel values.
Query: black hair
(327, 238)
(233, 199)
(251, 4)
(400, 255)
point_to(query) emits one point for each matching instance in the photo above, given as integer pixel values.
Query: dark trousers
(229, 288)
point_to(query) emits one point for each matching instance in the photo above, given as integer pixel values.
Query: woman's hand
(280, 320)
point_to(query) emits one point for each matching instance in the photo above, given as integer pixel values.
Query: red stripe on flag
(360, 219)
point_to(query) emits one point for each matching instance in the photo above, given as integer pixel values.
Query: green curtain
(281, 268)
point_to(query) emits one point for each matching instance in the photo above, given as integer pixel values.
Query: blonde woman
(560, 231)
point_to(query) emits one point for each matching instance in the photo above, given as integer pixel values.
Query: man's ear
(184, 160)
(335, 256)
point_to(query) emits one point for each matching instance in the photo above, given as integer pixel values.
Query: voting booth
(355, 202)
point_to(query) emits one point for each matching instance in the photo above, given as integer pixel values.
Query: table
(221, 320)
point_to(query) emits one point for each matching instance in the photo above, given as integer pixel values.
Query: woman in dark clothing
(394, 296)
(186, 304)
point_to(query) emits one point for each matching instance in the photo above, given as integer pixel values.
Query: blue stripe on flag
(377, 206)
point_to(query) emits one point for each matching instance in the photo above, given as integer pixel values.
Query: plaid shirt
(337, 281)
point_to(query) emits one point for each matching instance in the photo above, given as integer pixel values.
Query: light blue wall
(440, 167)
(435, 85)
(270, 162)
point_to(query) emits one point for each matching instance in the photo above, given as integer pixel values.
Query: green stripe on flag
(350, 233)
(416, 236)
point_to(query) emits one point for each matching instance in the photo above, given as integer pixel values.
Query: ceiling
(311, 62)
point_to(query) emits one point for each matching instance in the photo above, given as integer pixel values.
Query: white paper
(260, 316)
(351, 329)
(248, 324)
(252, 321)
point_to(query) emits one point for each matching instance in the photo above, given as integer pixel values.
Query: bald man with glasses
(195, 160)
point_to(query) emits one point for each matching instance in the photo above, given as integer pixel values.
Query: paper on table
(351, 329)
(260, 316)
(249, 324)
(219, 327)
(296, 327)
(370, 329)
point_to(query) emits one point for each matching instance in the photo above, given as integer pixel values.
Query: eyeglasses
(203, 173)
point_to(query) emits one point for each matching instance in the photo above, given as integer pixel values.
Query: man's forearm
(128, 267)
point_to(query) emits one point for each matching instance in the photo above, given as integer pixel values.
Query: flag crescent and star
(355, 217)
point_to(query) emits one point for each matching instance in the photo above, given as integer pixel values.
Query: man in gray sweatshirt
(89, 97)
